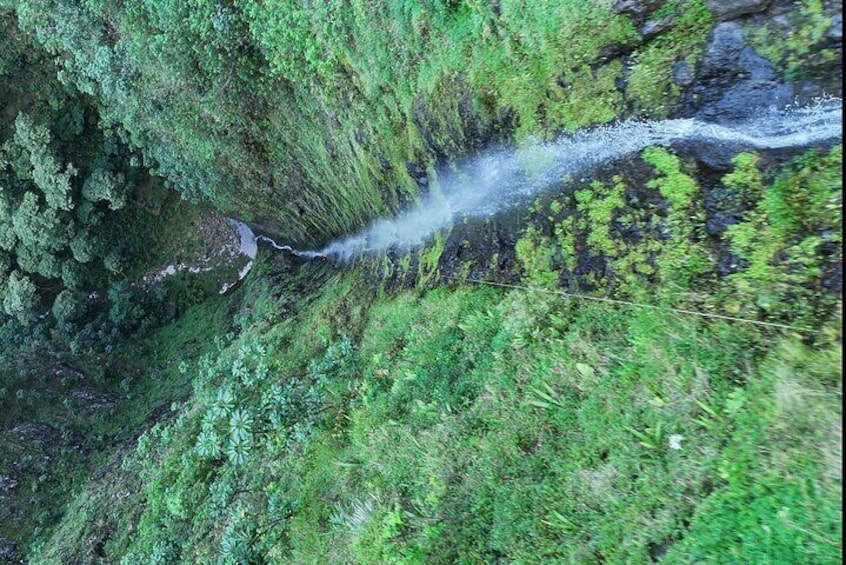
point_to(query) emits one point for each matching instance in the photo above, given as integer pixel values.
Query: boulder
(734, 80)
(683, 74)
(723, 52)
(726, 10)
(636, 7)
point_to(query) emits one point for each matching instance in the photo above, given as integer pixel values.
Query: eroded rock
(734, 80)
(683, 73)
(38, 432)
(636, 7)
(730, 9)
(723, 51)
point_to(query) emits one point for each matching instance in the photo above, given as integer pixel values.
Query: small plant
(208, 444)
(652, 438)
(546, 397)
(240, 424)
(238, 451)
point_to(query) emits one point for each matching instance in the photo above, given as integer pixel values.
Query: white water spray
(498, 180)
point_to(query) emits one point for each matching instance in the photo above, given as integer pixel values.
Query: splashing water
(498, 180)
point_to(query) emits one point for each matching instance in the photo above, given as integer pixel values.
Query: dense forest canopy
(640, 365)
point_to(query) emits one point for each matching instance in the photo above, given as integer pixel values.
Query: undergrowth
(472, 424)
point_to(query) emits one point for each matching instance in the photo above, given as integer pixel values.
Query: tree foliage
(67, 220)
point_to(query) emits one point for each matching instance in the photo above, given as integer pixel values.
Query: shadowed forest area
(633, 357)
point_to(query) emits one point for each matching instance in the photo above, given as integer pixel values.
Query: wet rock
(833, 278)
(749, 95)
(825, 249)
(729, 263)
(636, 7)
(835, 32)
(717, 224)
(723, 200)
(730, 9)
(9, 551)
(653, 27)
(753, 66)
(734, 79)
(630, 233)
(723, 52)
(417, 173)
(614, 50)
(683, 74)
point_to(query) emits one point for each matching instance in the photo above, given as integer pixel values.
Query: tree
(19, 297)
(46, 170)
(103, 185)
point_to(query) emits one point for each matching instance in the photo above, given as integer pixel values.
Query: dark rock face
(7, 485)
(636, 7)
(683, 73)
(835, 32)
(734, 79)
(730, 9)
(723, 50)
(37, 432)
(717, 224)
(417, 173)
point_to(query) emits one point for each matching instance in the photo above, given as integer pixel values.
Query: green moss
(534, 252)
(429, 258)
(650, 87)
(798, 50)
(599, 205)
(590, 96)
(779, 238)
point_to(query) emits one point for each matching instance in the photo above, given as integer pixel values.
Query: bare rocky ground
(217, 245)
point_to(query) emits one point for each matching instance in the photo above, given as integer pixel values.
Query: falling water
(498, 180)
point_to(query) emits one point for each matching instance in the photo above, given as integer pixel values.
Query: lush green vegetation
(410, 407)
(467, 424)
(254, 103)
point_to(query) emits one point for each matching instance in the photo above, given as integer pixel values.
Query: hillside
(542, 281)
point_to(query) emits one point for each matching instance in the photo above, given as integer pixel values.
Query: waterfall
(498, 180)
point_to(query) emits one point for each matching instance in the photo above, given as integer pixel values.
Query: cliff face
(313, 122)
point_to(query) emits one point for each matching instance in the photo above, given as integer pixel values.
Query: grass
(466, 424)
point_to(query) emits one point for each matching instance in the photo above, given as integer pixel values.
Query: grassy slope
(468, 424)
(472, 424)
